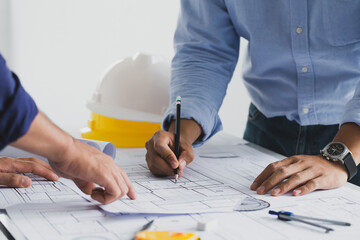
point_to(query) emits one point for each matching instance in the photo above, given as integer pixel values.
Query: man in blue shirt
(302, 72)
(23, 126)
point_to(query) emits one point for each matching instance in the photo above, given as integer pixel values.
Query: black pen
(177, 135)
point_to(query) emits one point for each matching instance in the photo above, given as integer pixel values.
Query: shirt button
(306, 110)
(299, 30)
(304, 69)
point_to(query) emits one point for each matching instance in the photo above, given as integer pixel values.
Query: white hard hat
(128, 104)
(134, 89)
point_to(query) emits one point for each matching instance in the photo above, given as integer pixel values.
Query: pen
(177, 135)
(147, 225)
(288, 216)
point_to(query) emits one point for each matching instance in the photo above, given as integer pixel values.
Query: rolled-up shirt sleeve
(352, 109)
(17, 108)
(206, 52)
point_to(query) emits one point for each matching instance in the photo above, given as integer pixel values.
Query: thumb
(186, 157)
(15, 180)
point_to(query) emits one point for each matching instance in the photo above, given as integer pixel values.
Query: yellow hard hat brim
(123, 133)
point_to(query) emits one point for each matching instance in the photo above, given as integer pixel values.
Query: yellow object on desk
(123, 133)
(165, 235)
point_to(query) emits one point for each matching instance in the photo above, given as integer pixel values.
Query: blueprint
(233, 167)
(86, 221)
(40, 191)
(195, 192)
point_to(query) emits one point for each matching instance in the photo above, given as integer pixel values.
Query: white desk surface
(221, 139)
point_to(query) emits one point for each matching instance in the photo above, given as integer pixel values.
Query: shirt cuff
(206, 117)
(352, 112)
(17, 115)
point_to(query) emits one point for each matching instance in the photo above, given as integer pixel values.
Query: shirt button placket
(301, 54)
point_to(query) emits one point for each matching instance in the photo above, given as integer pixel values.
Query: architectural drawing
(40, 191)
(193, 193)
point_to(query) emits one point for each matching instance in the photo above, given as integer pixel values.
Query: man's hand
(76, 160)
(10, 167)
(87, 166)
(300, 174)
(160, 155)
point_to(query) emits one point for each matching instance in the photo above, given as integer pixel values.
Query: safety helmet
(128, 104)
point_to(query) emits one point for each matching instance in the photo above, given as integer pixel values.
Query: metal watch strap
(350, 165)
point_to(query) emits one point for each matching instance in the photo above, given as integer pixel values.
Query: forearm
(45, 138)
(190, 130)
(349, 134)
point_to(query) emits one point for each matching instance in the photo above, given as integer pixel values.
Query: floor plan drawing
(193, 193)
(40, 191)
(216, 179)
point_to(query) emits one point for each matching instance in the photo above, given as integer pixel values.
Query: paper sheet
(195, 192)
(200, 190)
(41, 191)
(82, 220)
(85, 221)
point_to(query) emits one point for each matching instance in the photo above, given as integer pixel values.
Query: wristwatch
(338, 152)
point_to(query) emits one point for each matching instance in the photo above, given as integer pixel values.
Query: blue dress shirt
(302, 61)
(17, 108)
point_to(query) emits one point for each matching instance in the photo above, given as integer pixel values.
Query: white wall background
(60, 49)
(5, 26)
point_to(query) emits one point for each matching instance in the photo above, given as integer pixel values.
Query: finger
(186, 156)
(310, 186)
(157, 165)
(22, 166)
(111, 191)
(15, 180)
(162, 148)
(121, 185)
(33, 159)
(103, 196)
(131, 193)
(181, 173)
(279, 175)
(295, 180)
(268, 171)
(98, 194)
(84, 186)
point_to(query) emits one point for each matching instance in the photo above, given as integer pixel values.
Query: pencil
(177, 135)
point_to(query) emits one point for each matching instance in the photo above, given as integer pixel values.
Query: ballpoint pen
(177, 135)
(289, 216)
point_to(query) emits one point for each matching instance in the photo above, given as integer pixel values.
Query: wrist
(46, 139)
(338, 152)
(190, 130)
(349, 135)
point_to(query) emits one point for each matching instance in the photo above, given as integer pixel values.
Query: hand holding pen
(160, 156)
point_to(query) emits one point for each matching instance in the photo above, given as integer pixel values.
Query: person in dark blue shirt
(23, 126)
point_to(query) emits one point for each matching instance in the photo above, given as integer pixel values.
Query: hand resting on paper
(73, 159)
(11, 167)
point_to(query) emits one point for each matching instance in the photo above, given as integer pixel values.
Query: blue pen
(289, 216)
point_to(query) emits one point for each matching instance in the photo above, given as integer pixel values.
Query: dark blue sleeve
(17, 108)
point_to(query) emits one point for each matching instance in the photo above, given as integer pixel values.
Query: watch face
(335, 149)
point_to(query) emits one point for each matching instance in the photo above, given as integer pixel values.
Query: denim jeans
(288, 137)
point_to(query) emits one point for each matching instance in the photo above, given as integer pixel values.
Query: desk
(257, 224)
